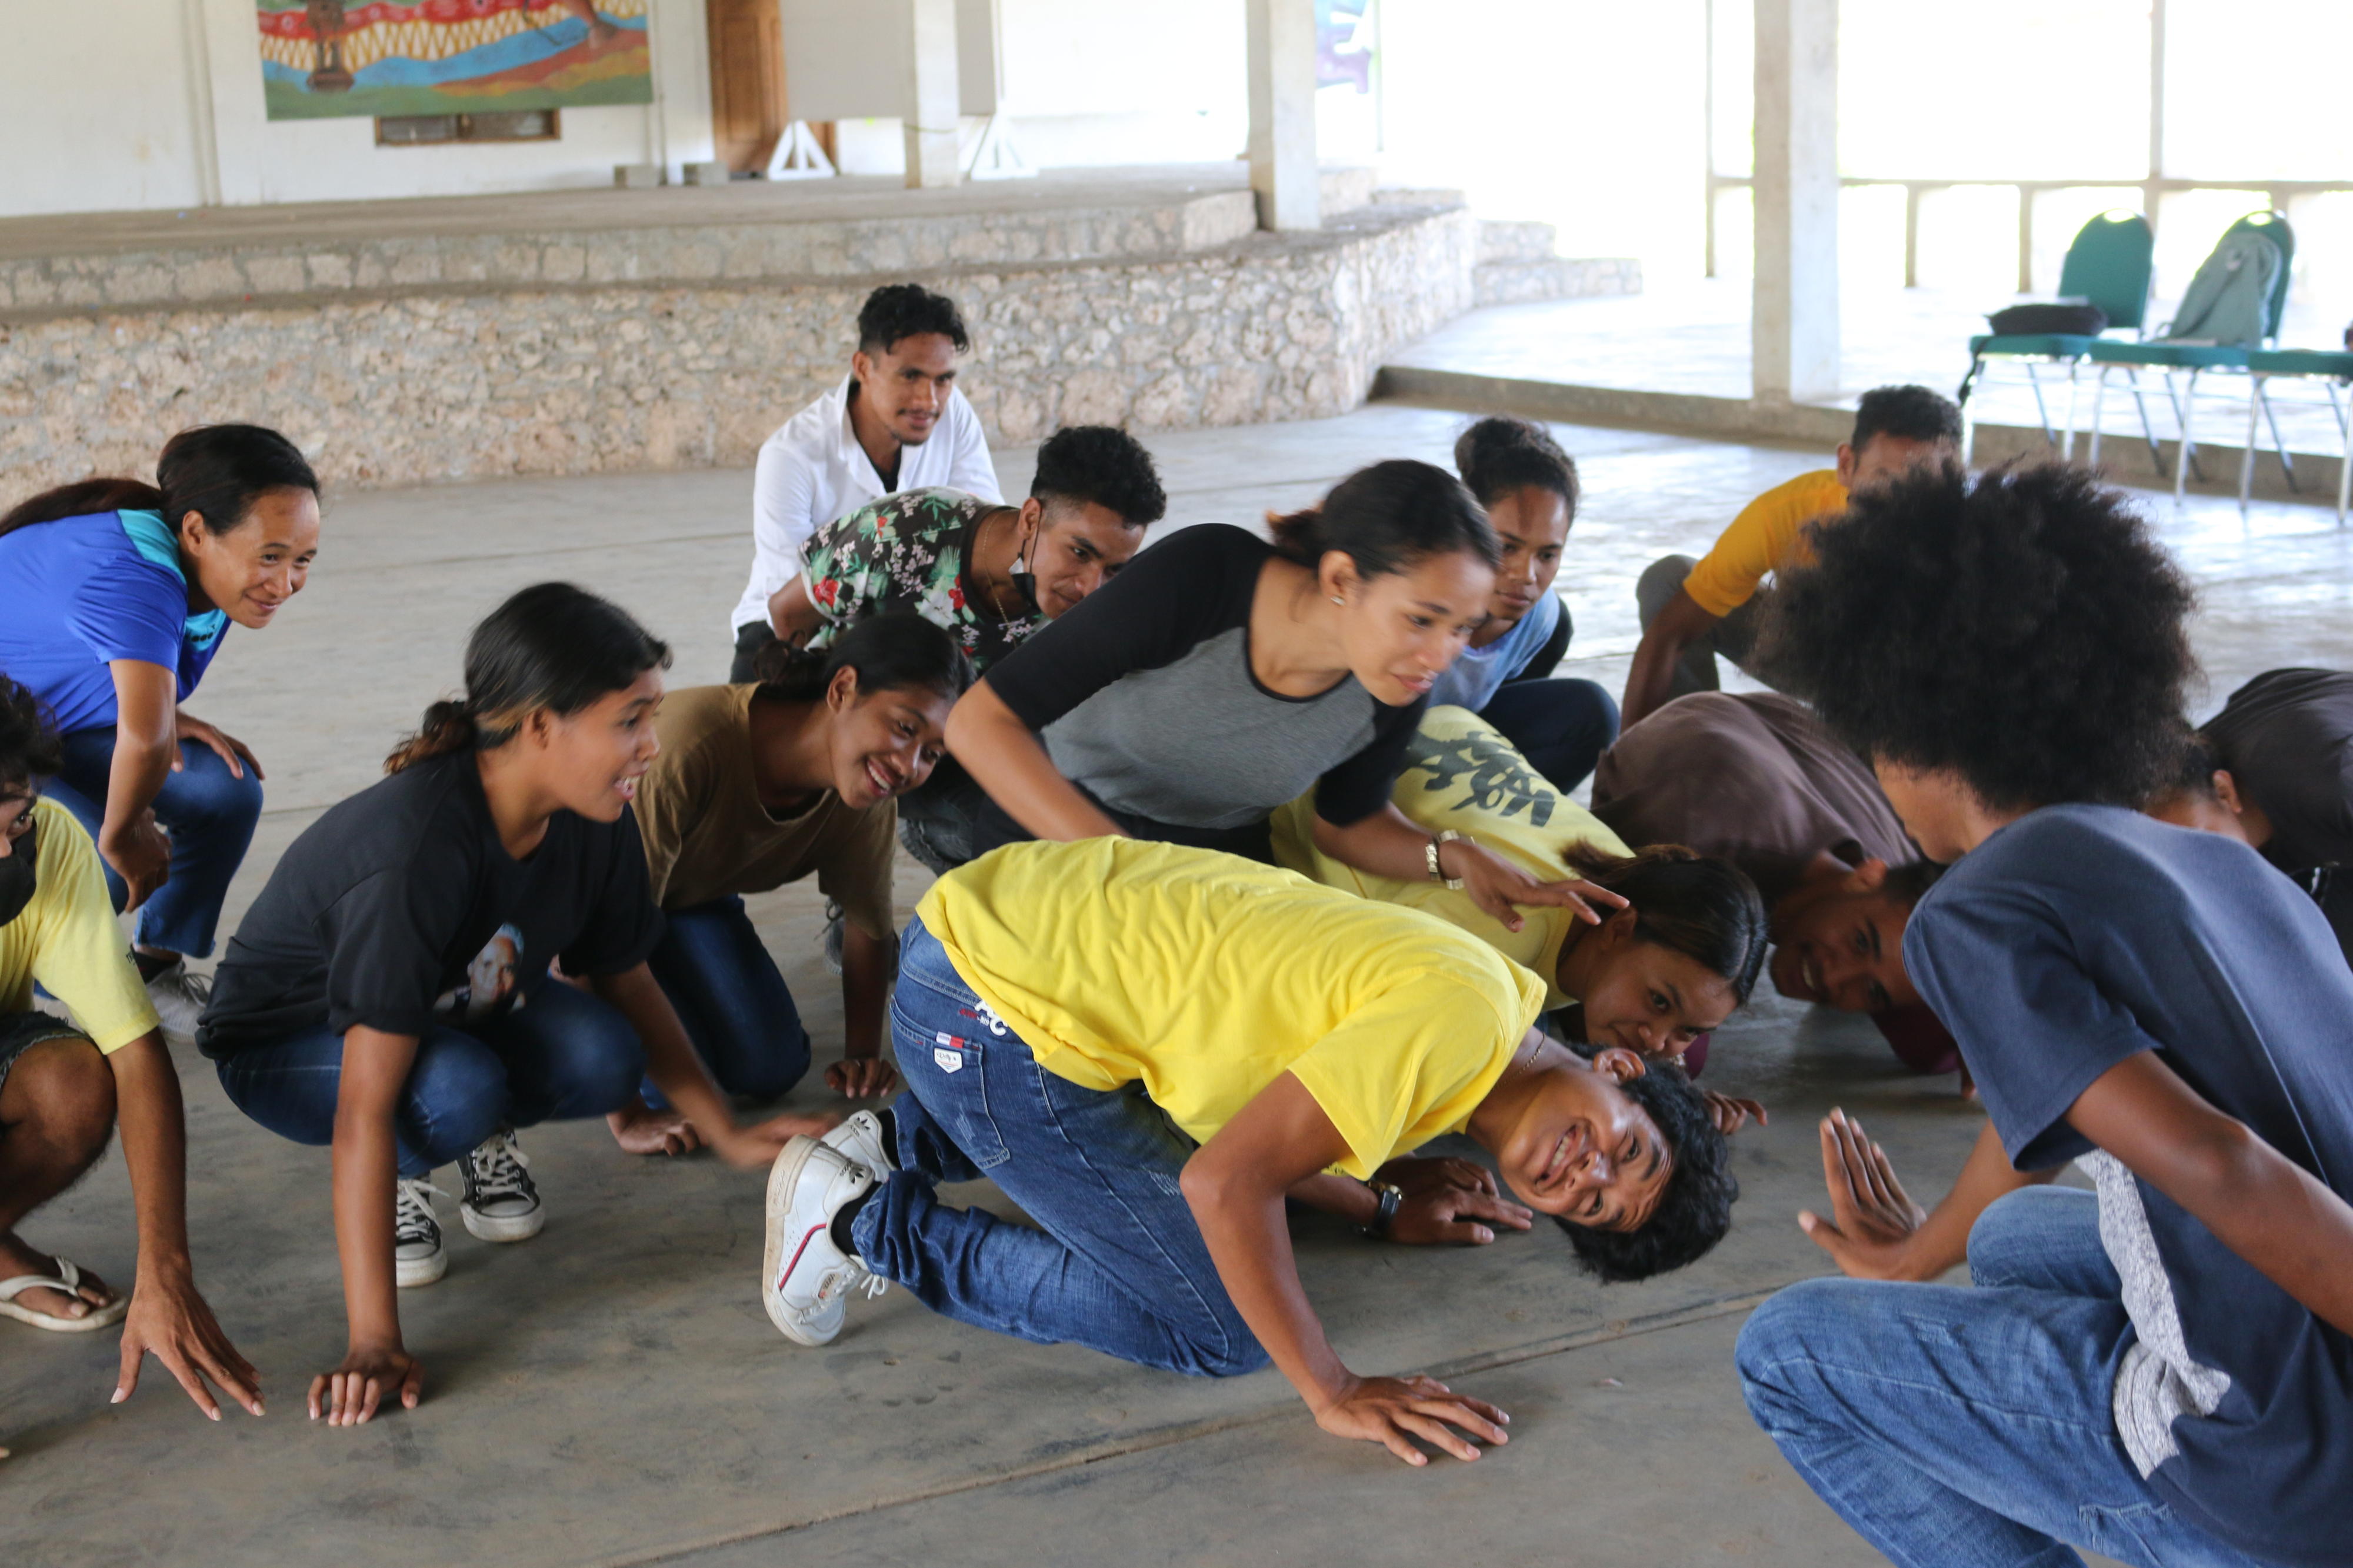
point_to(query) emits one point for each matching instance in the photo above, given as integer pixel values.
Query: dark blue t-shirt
(2076, 938)
(82, 591)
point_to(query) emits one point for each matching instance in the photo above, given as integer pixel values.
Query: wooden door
(747, 80)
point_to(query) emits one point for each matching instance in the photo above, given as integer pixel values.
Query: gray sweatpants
(1733, 637)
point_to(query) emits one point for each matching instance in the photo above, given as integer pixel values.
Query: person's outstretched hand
(1455, 1215)
(640, 1129)
(1500, 888)
(757, 1147)
(1415, 1175)
(1393, 1411)
(172, 1321)
(1731, 1115)
(1873, 1219)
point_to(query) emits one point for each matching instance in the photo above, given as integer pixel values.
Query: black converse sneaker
(500, 1203)
(417, 1258)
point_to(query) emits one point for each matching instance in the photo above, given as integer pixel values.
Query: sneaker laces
(853, 1275)
(413, 1220)
(497, 1168)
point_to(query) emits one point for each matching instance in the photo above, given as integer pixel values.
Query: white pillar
(934, 101)
(1794, 330)
(1282, 114)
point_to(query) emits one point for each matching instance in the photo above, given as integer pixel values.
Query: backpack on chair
(2228, 301)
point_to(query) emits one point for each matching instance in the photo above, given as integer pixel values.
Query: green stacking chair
(2109, 266)
(2331, 369)
(2192, 359)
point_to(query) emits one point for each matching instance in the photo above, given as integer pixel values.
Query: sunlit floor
(611, 1392)
(1693, 338)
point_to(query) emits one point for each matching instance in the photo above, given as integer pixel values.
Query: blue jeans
(1560, 726)
(1119, 1265)
(208, 811)
(735, 1006)
(1956, 1426)
(564, 1056)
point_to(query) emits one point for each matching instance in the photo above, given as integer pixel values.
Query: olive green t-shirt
(707, 836)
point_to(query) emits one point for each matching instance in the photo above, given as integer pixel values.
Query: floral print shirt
(908, 552)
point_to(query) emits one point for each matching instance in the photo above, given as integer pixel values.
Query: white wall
(103, 107)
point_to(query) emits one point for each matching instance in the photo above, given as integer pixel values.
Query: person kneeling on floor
(1148, 1046)
(64, 1085)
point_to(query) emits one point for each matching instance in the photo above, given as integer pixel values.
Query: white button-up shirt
(813, 470)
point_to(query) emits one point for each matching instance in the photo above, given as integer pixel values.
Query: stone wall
(456, 380)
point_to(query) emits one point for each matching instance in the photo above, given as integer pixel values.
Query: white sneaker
(861, 1140)
(179, 995)
(501, 1203)
(805, 1281)
(417, 1258)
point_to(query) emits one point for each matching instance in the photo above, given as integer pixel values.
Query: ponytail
(551, 645)
(895, 652)
(1387, 519)
(217, 471)
(448, 726)
(1701, 906)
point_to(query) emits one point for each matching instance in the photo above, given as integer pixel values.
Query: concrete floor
(1692, 339)
(612, 1394)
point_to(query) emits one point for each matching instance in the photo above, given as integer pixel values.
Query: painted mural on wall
(327, 58)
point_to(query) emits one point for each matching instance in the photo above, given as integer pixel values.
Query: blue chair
(2192, 358)
(2109, 266)
(2329, 367)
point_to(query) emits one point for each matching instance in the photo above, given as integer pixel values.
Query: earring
(1337, 600)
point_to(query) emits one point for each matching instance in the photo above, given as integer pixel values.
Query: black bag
(2038, 321)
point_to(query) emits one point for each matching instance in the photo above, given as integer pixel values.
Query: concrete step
(1520, 282)
(1506, 241)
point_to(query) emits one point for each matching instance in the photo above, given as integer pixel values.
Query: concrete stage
(1676, 358)
(611, 1392)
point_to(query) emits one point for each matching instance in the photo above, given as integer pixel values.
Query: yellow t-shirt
(1205, 977)
(1462, 773)
(1768, 536)
(66, 939)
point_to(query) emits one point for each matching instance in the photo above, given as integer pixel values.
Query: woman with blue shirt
(1528, 485)
(119, 595)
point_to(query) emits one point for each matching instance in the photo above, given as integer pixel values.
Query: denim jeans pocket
(947, 1068)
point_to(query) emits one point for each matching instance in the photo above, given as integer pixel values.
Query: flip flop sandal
(67, 1278)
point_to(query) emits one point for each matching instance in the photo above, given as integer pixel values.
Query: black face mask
(1025, 583)
(16, 878)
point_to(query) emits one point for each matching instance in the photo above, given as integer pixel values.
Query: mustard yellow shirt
(66, 939)
(1205, 977)
(1769, 536)
(1462, 773)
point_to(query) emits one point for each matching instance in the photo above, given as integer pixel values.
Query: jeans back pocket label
(948, 1052)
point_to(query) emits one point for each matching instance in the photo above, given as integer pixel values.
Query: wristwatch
(1391, 1196)
(1444, 836)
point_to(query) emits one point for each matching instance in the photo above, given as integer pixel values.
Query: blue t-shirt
(83, 591)
(1475, 676)
(2076, 938)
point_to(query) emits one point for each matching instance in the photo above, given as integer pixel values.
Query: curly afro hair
(1694, 1212)
(1105, 466)
(29, 748)
(2023, 631)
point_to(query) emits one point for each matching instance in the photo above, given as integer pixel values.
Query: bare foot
(640, 1129)
(17, 1258)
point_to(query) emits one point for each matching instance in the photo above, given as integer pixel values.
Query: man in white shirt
(895, 422)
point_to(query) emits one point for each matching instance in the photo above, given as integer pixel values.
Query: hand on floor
(349, 1395)
(861, 1078)
(640, 1129)
(1393, 1411)
(173, 1324)
(1873, 1219)
(757, 1147)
